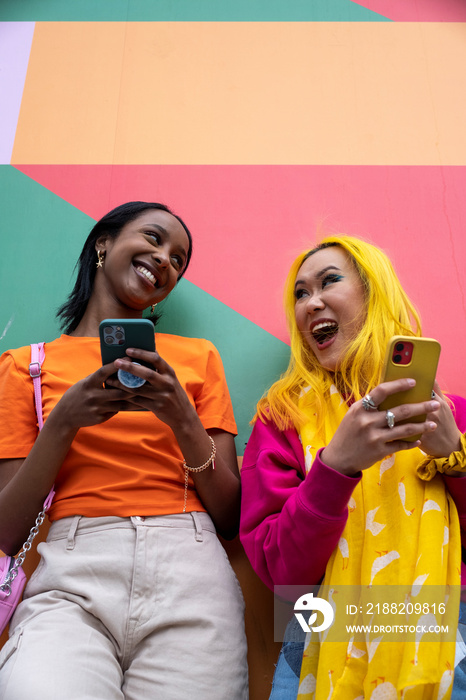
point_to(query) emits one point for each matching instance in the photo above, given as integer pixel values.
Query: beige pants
(129, 609)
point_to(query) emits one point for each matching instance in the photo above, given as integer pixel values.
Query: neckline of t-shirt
(87, 338)
(83, 338)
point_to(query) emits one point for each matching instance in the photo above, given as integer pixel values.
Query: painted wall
(259, 122)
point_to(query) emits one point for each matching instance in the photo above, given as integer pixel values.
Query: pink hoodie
(290, 522)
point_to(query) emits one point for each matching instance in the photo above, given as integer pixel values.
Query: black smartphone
(416, 358)
(118, 334)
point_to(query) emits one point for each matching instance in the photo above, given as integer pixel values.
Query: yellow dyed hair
(388, 312)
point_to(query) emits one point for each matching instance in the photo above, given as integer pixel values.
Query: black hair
(72, 311)
(321, 246)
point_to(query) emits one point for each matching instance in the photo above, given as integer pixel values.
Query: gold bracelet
(455, 462)
(196, 470)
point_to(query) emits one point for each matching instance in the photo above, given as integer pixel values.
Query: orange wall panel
(270, 93)
(70, 105)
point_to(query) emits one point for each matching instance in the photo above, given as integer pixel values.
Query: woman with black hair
(134, 596)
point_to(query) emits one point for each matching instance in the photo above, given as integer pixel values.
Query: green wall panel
(185, 11)
(42, 236)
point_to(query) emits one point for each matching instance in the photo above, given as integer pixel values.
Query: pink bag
(12, 577)
(10, 592)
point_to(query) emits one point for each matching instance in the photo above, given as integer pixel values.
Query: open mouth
(324, 331)
(147, 274)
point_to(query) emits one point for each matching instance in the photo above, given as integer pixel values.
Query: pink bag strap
(35, 370)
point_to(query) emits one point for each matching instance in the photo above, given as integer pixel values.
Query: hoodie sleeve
(457, 485)
(290, 522)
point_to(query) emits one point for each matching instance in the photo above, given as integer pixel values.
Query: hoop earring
(152, 308)
(100, 258)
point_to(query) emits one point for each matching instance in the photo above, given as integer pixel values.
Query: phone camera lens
(397, 359)
(118, 335)
(108, 330)
(399, 347)
(109, 339)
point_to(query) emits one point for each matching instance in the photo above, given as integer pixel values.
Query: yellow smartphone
(415, 358)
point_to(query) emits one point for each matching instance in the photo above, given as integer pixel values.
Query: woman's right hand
(24, 483)
(88, 402)
(364, 438)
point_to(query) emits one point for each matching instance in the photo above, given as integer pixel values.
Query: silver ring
(368, 403)
(390, 418)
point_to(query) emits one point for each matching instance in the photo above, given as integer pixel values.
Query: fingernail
(431, 425)
(433, 405)
(411, 382)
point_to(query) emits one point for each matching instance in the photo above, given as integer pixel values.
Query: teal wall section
(185, 11)
(42, 237)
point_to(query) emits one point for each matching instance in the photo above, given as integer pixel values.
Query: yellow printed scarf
(401, 531)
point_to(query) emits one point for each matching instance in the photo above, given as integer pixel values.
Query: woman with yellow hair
(341, 494)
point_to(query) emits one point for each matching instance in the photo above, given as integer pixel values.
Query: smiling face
(143, 263)
(330, 305)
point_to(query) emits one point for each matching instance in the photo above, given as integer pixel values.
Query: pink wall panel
(250, 221)
(418, 10)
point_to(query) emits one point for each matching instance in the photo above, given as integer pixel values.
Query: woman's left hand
(219, 488)
(445, 439)
(162, 393)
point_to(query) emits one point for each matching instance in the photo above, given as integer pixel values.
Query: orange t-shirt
(131, 464)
